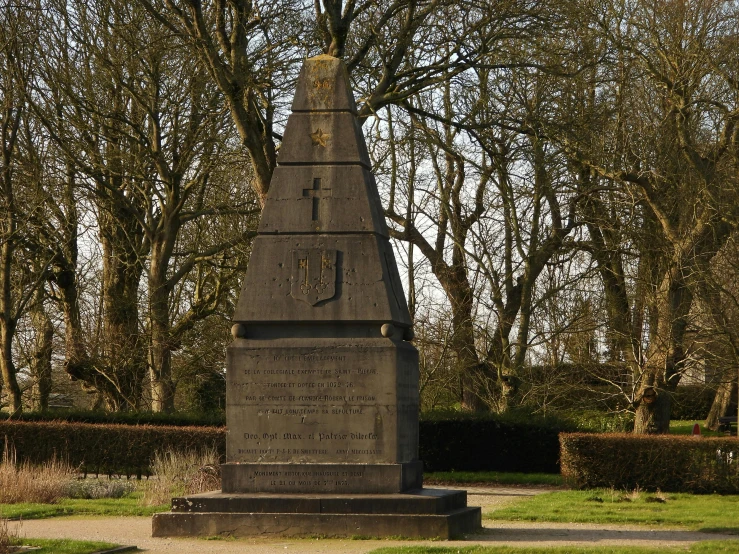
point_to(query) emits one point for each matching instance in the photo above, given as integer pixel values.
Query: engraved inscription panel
(321, 405)
(330, 478)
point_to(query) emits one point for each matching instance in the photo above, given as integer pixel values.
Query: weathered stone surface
(322, 400)
(323, 86)
(422, 501)
(365, 281)
(326, 199)
(323, 138)
(421, 526)
(344, 478)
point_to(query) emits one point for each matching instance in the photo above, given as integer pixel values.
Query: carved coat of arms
(313, 276)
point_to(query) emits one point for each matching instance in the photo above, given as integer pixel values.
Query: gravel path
(137, 531)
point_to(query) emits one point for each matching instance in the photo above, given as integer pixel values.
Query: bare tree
(668, 128)
(19, 277)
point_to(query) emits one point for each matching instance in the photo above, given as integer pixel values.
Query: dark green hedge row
(488, 444)
(461, 444)
(212, 419)
(650, 462)
(94, 448)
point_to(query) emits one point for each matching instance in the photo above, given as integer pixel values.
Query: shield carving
(313, 276)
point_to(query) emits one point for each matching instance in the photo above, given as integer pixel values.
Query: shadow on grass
(722, 530)
(554, 534)
(502, 493)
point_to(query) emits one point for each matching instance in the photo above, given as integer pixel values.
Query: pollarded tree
(85, 114)
(19, 182)
(148, 149)
(665, 113)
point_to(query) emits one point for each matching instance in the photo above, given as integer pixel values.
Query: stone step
(452, 525)
(421, 501)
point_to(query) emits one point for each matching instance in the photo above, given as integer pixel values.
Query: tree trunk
(665, 357)
(454, 281)
(7, 367)
(160, 359)
(8, 230)
(160, 364)
(721, 402)
(125, 362)
(124, 358)
(41, 363)
(7, 326)
(653, 417)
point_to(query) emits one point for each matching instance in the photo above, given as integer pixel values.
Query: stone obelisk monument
(322, 381)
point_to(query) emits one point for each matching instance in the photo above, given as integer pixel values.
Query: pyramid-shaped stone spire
(323, 253)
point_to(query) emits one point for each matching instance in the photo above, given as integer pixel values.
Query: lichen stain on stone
(320, 81)
(379, 427)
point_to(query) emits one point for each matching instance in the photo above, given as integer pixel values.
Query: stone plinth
(420, 514)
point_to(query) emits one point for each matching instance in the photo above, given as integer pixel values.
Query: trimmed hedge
(462, 444)
(94, 448)
(487, 444)
(674, 463)
(184, 419)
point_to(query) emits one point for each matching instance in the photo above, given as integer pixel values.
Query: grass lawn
(127, 506)
(685, 427)
(65, 546)
(707, 547)
(492, 477)
(710, 512)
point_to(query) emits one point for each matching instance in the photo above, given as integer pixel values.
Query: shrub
(123, 449)
(691, 402)
(8, 538)
(46, 483)
(99, 488)
(182, 473)
(600, 422)
(667, 462)
(515, 442)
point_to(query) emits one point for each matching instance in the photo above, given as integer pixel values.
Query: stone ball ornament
(238, 331)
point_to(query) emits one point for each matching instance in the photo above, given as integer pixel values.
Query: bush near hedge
(520, 443)
(690, 402)
(104, 448)
(675, 463)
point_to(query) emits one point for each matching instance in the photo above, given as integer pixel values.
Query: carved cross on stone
(318, 193)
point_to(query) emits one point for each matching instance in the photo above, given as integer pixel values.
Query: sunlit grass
(706, 547)
(685, 427)
(492, 478)
(129, 505)
(65, 546)
(709, 512)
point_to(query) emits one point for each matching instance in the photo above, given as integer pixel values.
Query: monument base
(321, 478)
(421, 513)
